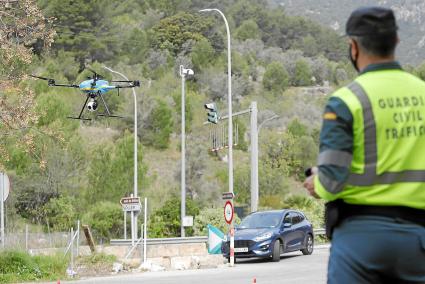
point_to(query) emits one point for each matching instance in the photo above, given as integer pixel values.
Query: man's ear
(354, 48)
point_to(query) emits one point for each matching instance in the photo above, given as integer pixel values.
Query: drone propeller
(50, 81)
(96, 76)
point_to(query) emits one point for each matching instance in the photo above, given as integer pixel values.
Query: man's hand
(309, 183)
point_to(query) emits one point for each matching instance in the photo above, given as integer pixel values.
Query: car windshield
(261, 220)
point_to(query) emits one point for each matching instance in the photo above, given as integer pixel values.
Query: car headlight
(263, 237)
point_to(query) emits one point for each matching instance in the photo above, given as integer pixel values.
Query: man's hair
(377, 45)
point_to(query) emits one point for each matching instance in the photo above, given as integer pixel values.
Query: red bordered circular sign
(228, 212)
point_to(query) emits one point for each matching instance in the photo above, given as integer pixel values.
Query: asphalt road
(292, 268)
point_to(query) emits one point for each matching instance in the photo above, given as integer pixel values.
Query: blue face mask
(353, 61)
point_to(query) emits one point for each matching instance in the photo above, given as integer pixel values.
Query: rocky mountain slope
(333, 13)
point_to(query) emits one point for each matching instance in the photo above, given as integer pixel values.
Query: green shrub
(276, 78)
(165, 222)
(212, 216)
(20, 266)
(105, 220)
(60, 213)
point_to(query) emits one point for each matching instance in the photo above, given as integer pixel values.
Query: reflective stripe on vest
(369, 177)
(335, 157)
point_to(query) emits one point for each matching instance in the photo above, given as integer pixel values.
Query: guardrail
(186, 240)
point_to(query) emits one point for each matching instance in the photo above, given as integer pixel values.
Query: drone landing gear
(107, 115)
(79, 118)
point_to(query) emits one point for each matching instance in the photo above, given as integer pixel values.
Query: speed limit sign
(228, 212)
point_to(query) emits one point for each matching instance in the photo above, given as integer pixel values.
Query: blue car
(268, 234)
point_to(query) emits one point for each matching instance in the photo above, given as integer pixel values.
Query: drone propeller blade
(50, 81)
(121, 81)
(97, 76)
(42, 78)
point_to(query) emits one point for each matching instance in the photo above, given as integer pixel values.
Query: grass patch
(95, 264)
(20, 266)
(97, 258)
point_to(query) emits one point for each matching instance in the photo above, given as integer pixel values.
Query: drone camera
(92, 105)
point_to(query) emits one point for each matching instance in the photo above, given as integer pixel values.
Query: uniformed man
(371, 166)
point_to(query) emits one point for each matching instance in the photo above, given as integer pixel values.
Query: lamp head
(186, 72)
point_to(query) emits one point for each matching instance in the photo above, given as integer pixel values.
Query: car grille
(243, 244)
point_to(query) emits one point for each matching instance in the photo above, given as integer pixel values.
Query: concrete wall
(168, 256)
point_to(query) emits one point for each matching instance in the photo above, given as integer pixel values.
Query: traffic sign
(131, 204)
(228, 212)
(215, 238)
(188, 221)
(4, 186)
(228, 195)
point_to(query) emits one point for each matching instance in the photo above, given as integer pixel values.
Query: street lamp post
(133, 216)
(183, 73)
(266, 120)
(230, 127)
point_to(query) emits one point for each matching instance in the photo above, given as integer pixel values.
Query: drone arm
(52, 83)
(132, 84)
(64, 85)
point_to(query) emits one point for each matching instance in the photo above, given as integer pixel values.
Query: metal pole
(145, 236)
(132, 226)
(133, 216)
(125, 225)
(2, 210)
(254, 157)
(78, 238)
(72, 252)
(230, 130)
(183, 158)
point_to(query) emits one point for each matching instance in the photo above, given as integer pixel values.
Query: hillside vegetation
(63, 170)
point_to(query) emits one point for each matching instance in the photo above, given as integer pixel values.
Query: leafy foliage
(109, 175)
(105, 220)
(172, 32)
(211, 216)
(159, 126)
(60, 213)
(17, 266)
(165, 222)
(275, 78)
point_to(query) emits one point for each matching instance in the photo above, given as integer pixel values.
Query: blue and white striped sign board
(215, 237)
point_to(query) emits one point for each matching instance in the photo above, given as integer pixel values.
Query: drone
(94, 88)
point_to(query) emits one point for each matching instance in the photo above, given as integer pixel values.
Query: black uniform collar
(382, 66)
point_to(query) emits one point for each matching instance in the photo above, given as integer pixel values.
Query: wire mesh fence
(31, 239)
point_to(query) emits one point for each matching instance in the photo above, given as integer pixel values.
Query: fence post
(125, 225)
(26, 237)
(144, 233)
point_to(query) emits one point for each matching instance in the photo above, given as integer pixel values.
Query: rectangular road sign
(131, 207)
(228, 195)
(130, 200)
(131, 204)
(187, 221)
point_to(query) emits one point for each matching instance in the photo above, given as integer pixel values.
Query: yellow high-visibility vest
(387, 166)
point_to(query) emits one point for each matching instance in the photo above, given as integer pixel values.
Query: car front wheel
(308, 245)
(276, 251)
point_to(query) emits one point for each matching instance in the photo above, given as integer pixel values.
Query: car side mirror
(287, 225)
